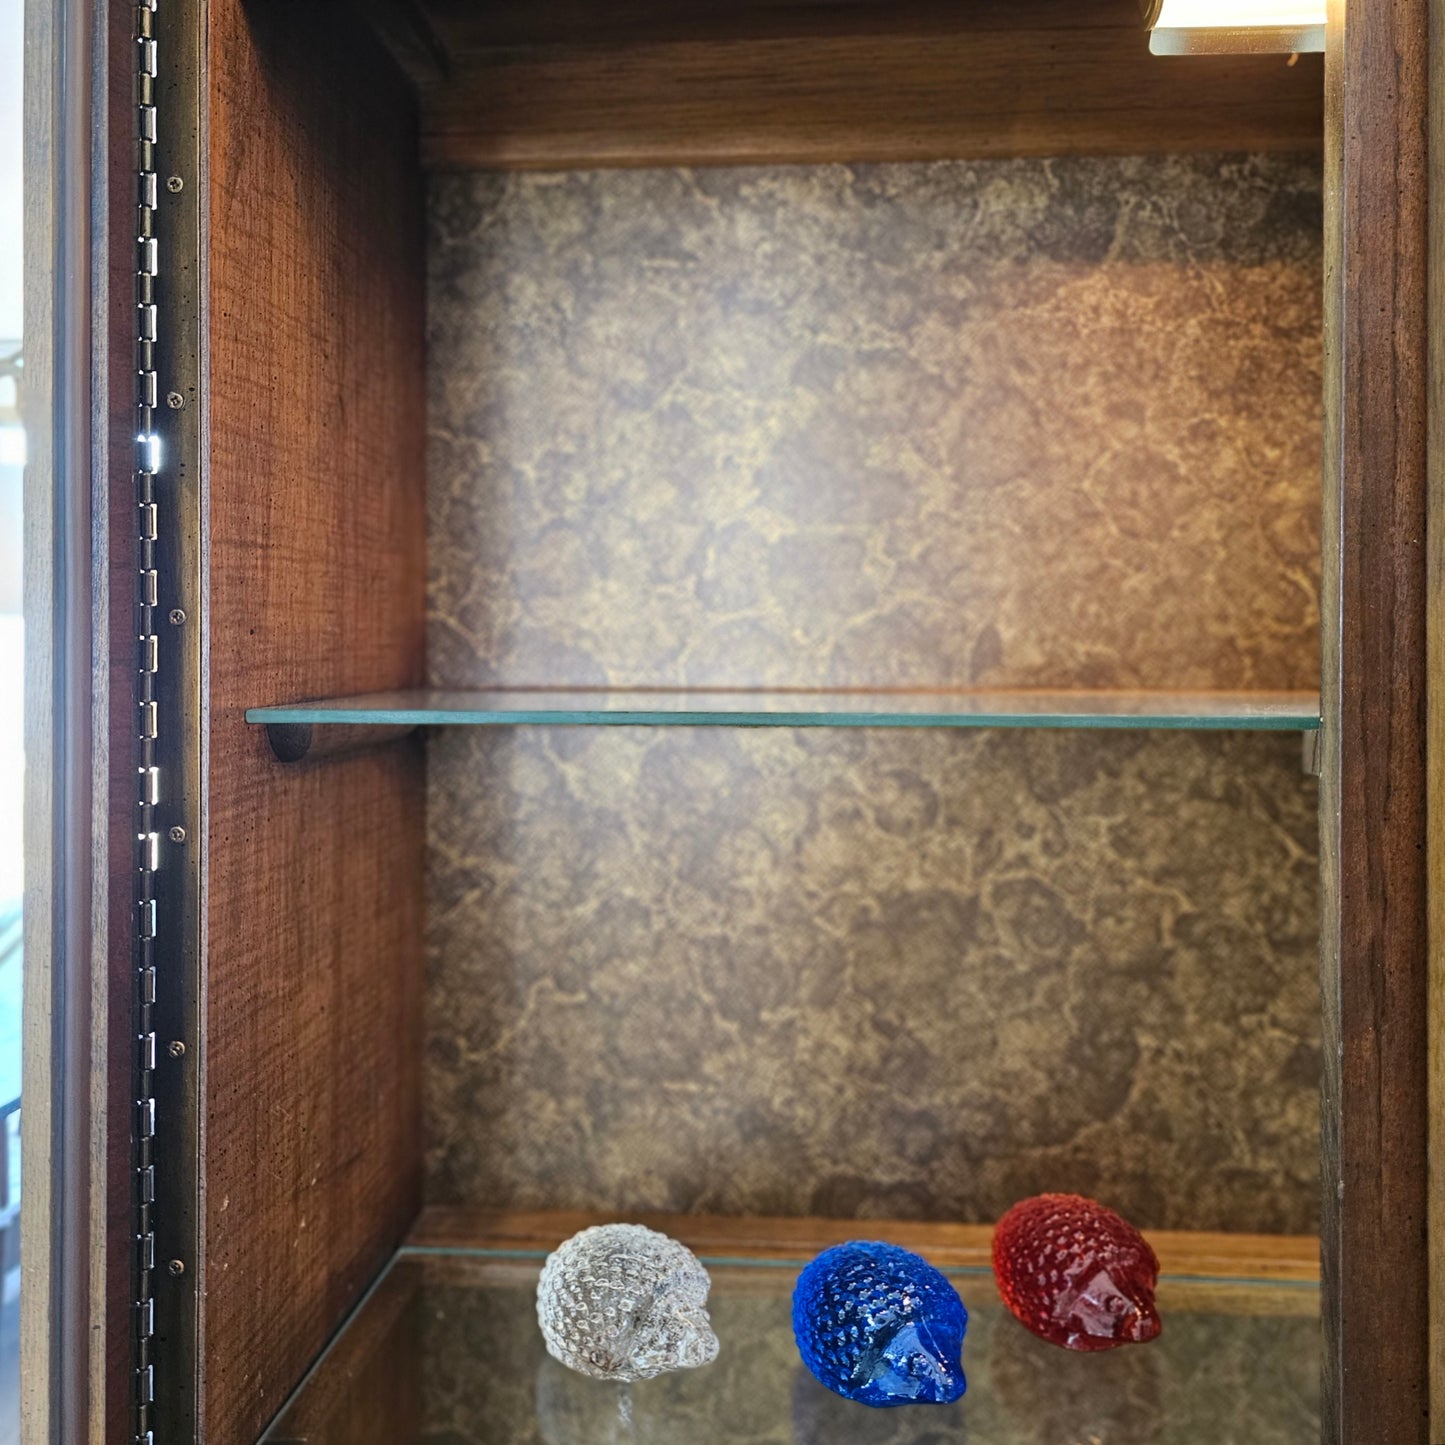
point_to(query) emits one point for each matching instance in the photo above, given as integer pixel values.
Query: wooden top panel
(573, 86)
(463, 25)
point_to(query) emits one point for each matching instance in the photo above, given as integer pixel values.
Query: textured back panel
(899, 974)
(1018, 423)
(1001, 424)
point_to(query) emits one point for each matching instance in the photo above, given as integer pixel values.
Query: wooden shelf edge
(1189, 135)
(1278, 1259)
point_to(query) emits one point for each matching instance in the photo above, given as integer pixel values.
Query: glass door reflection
(12, 761)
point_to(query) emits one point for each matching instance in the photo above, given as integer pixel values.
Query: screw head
(174, 184)
(176, 1049)
(175, 400)
(177, 617)
(177, 834)
(175, 1268)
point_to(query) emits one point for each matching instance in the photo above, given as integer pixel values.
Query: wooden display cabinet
(730, 604)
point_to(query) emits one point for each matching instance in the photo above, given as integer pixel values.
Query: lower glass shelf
(446, 1351)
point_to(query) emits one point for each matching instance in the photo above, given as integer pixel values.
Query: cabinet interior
(854, 361)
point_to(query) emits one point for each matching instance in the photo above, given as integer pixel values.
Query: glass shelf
(1269, 711)
(446, 1351)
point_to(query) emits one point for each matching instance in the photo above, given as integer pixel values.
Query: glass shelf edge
(340, 715)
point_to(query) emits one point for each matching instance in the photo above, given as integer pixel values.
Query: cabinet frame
(1375, 883)
(1383, 796)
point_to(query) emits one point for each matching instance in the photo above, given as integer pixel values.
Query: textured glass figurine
(621, 1302)
(1076, 1273)
(881, 1326)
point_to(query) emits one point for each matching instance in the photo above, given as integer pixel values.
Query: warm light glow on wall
(1185, 27)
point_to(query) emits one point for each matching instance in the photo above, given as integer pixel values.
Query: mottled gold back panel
(911, 975)
(1016, 423)
(999, 424)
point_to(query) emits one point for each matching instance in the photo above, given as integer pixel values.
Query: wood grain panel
(1206, 1256)
(465, 25)
(1435, 747)
(1374, 952)
(312, 1147)
(370, 1387)
(855, 82)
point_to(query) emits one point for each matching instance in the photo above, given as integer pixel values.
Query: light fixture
(1213, 27)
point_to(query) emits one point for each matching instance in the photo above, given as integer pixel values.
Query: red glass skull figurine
(1076, 1274)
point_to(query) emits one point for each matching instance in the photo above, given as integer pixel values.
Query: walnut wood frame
(1435, 596)
(1376, 885)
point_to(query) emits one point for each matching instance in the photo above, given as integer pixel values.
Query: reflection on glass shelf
(446, 1351)
(1278, 711)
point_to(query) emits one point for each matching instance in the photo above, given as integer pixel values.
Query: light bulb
(1232, 14)
(1191, 27)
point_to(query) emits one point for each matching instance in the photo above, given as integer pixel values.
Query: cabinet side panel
(1373, 780)
(312, 1144)
(1435, 747)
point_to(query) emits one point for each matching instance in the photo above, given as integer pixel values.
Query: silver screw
(175, 400)
(176, 1049)
(177, 617)
(176, 1268)
(178, 834)
(174, 184)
